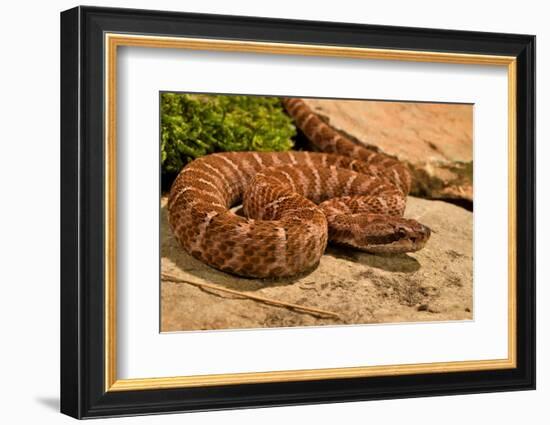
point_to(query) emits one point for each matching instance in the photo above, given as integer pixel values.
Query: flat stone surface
(434, 139)
(434, 284)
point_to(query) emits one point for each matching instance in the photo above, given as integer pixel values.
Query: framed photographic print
(261, 212)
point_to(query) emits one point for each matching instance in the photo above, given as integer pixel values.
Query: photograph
(273, 211)
(280, 212)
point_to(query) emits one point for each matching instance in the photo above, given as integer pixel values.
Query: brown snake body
(294, 202)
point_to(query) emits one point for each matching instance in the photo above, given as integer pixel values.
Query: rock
(435, 140)
(360, 287)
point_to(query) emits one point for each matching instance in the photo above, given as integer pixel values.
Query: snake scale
(293, 202)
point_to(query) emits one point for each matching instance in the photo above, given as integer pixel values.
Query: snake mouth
(406, 236)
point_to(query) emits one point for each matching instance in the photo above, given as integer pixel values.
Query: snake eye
(402, 232)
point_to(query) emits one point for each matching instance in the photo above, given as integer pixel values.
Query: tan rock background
(435, 140)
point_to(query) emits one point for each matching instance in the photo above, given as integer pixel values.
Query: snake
(293, 203)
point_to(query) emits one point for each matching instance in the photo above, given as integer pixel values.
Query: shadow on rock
(209, 274)
(402, 263)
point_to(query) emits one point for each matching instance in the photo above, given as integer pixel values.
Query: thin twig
(309, 310)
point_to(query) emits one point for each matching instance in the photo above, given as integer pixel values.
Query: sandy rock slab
(434, 284)
(434, 139)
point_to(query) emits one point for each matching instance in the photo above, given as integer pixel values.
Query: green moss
(196, 125)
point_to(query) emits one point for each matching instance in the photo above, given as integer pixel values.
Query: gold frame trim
(113, 41)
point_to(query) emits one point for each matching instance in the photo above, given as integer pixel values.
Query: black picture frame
(83, 392)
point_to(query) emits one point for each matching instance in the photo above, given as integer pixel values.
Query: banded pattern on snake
(293, 202)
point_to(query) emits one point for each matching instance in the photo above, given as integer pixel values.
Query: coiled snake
(293, 202)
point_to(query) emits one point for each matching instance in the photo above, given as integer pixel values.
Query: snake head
(390, 235)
